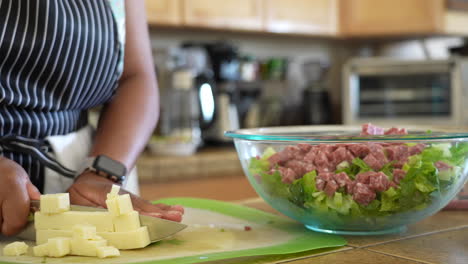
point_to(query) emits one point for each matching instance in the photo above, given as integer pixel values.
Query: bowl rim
(344, 133)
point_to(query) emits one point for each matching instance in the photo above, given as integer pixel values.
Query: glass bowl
(334, 180)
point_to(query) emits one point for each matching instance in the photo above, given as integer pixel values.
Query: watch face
(109, 166)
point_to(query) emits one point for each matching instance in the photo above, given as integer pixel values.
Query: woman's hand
(91, 190)
(16, 191)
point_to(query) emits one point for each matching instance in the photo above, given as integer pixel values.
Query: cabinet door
(302, 16)
(391, 17)
(164, 12)
(230, 14)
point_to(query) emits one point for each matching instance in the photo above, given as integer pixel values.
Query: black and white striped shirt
(58, 58)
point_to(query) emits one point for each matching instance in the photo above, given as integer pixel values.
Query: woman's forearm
(128, 120)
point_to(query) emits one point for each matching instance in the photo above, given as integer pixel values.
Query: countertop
(441, 238)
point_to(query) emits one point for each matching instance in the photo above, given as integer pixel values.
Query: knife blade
(158, 228)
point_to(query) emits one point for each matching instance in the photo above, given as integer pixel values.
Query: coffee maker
(217, 90)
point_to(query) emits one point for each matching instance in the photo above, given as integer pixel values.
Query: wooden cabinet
(319, 17)
(164, 12)
(229, 14)
(391, 17)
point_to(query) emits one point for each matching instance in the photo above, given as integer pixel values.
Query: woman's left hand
(91, 190)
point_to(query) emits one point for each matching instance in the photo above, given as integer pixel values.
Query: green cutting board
(217, 231)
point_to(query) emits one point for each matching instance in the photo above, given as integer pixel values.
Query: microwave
(411, 92)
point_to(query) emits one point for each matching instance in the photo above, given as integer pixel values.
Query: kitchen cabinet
(227, 14)
(164, 12)
(391, 17)
(319, 17)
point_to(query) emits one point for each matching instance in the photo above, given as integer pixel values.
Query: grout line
(412, 236)
(317, 255)
(401, 257)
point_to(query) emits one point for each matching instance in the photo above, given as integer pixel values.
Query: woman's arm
(128, 120)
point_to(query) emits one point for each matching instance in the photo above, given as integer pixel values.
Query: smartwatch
(106, 167)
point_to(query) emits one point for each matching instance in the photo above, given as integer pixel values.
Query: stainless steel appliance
(395, 91)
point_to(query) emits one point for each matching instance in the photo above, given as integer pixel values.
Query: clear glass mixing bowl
(430, 171)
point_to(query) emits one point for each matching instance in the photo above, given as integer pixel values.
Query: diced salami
(363, 194)
(321, 161)
(379, 182)
(310, 156)
(373, 162)
(398, 175)
(364, 177)
(304, 147)
(300, 167)
(287, 175)
(369, 129)
(396, 131)
(320, 184)
(359, 150)
(442, 165)
(416, 149)
(330, 188)
(342, 179)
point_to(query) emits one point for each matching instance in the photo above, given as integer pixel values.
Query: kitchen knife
(158, 228)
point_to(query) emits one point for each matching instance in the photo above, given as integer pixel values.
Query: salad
(361, 179)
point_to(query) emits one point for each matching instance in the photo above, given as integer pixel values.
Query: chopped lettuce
(422, 182)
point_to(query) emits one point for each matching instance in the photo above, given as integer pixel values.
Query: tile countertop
(441, 238)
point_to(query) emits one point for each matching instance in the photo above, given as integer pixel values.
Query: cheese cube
(128, 240)
(114, 192)
(104, 252)
(127, 222)
(84, 247)
(120, 205)
(41, 250)
(42, 236)
(15, 249)
(58, 247)
(65, 221)
(84, 231)
(55, 203)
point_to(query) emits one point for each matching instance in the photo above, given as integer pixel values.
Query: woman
(59, 58)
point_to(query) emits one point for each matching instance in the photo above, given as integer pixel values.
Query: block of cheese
(84, 231)
(127, 222)
(114, 192)
(84, 247)
(122, 204)
(65, 221)
(105, 252)
(41, 250)
(15, 249)
(58, 247)
(55, 203)
(127, 240)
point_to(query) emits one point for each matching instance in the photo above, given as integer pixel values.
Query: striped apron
(58, 58)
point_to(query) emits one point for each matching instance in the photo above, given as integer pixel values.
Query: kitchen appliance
(316, 101)
(217, 90)
(415, 92)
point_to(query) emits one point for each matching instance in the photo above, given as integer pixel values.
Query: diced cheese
(41, 250)
(55, 203)
(127, 240)
(127, 222)
(119, 205)
(42, 236)
(15, 249)
(65, 221)
(113, 206)
(84, 247)
(58, 247)
(104, 252)
(114, 192)
(84, 231)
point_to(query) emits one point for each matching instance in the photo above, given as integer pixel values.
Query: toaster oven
(395, 91)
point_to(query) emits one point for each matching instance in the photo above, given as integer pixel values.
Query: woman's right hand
(16, 191)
